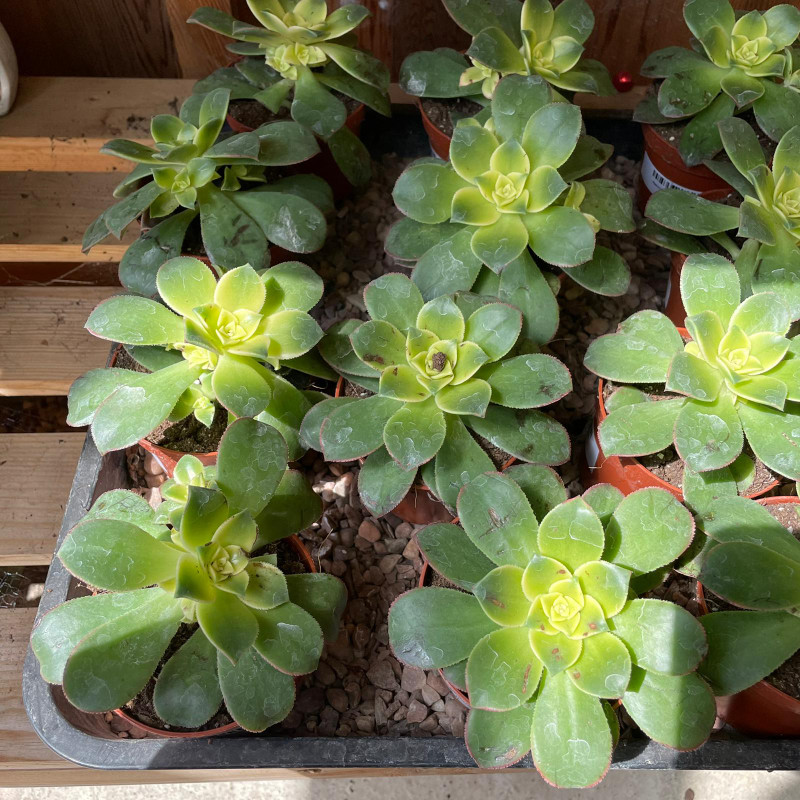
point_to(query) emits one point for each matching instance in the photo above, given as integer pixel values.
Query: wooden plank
(43, 216)
(59, 124)
(199, 50)
(36, 471)
(43, 345)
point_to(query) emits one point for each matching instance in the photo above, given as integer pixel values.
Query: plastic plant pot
(323, 164)
(627, 473)
(762, 709)
(301, 551)
(440, 141)
(663, 168)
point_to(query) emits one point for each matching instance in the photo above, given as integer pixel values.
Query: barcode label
(592, 451)
(655, 181)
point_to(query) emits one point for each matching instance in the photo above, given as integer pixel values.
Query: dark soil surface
(445, 113)
(191, 436)
(254, 114)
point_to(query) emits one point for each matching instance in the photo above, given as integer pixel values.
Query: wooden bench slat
(43, 344)
(59, 124)
(43, 216)
(36, 471)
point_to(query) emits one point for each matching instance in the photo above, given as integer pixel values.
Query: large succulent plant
(193, 172)
(211, 346)
(255, 627)
(768, 218)
(511, 185)
(738, 376)
(738, 65)
(510, 38)
(436, 369)
(298, 55)
(546, 625)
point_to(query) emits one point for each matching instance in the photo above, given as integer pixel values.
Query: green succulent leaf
(498, 519)
(323, 597)
(746, 646)
(502, 670)
(648, 529)
(383, 483)
(289, 638)
(708, 435)
(640, 428)
(571, 737)
(678, 711)
(448, 266)
(572, 534)
(501, 597)
(435, 627)
(527, 381)
(452, 555)
(603, 668)
(663, 637)
(99, 675)
(355, 430)
(256, 694)
(499, 739)
(187, 692)
(688, 213)
(459, 460)
(229, 625)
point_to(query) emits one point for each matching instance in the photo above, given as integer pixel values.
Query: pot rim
(296, 543)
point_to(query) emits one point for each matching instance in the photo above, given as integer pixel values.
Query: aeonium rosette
(544, 626)
(511, 188)
(252, 627)
(738, 376)
(211, 342)
(436, 370)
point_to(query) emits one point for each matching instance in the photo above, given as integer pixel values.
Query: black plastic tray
(78, 736)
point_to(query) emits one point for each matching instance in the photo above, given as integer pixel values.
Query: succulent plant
(738, 65)
(510, 38)
(510, 185)
(545, 625)
(436, 369)
(255, 627)
(194, 172)
(296, 57)
(768, 218)
(743, 555)
(737, 376)
(211, 346)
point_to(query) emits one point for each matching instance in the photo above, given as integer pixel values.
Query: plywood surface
(43, 344)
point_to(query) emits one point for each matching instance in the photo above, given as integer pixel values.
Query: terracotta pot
(440, 141)
(302, 551)
(760, 710)
(322, 164)
(663, 168)
(628, 474)
(673, 304)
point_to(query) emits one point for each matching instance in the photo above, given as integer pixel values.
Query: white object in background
(8, 72)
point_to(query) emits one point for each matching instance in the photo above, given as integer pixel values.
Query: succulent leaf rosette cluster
(192, 172)
(436, 370)
(510, 38)
(739, 64)
(298, 56)
(544, 626)
(768, 218)
(510, 185)
(737, 377)
(254, 627)
(210, 343)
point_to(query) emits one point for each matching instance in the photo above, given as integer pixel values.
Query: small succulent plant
(436, 369)
(297, 56)
(768, 218)
(739, 65)
(211, 346)
(255, 627)
(510, 38)
(544, 625)
(743, 555)
(511, 185)
(738, 376)
(194, 172)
